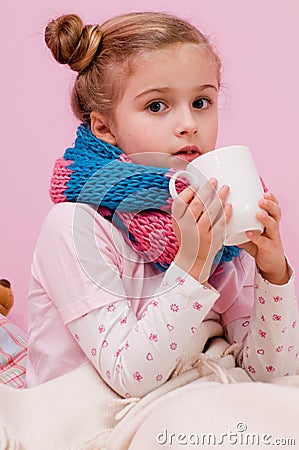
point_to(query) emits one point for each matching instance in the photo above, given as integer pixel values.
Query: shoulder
(69, 224)
(75, 234)
(64, 213)
(69, 217)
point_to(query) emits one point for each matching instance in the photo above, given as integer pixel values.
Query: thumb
(255, 237)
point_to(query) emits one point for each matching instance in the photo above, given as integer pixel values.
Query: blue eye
(156, 106)
(201, 103)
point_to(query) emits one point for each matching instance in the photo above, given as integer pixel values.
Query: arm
(126, 371)
(269, 337)
(270, 348)
(134, 356)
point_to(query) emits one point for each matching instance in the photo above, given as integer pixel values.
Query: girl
(122, 276)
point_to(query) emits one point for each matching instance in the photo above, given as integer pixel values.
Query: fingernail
(225, 187)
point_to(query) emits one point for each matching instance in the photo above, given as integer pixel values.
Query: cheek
(214, 128)
(128, 142)
(211, 135)
(215, 132)
(122, 134)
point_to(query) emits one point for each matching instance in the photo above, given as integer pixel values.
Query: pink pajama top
(93, 298)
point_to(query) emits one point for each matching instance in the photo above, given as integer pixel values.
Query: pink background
(258, 43)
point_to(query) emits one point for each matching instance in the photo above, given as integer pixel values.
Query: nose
(186, 124)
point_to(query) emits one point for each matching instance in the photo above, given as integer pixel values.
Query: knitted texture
(135, 198)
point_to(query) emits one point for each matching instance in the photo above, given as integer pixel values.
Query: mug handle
(181, 173)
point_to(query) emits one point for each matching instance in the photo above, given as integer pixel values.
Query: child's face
(170, 104)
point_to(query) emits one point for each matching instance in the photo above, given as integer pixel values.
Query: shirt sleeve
(136, 356)
(269, 337)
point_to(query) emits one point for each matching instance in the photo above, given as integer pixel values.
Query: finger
(228, 211)
(249, 246)
(207, 191)
(255, 239)
(196, 208)
(203, 198)
(218, 228)
(216, 209)
(182, 201)
(272, 208)
(269, 223)
(270, 196)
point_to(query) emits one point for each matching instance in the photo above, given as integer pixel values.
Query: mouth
(188, 153)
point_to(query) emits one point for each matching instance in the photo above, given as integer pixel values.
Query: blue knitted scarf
(134, 197)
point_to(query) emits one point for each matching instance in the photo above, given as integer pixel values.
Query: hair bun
(71, 42)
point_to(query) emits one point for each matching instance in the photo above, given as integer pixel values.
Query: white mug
(235, 167)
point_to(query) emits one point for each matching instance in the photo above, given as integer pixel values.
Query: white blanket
(79, 411)
(213, 415)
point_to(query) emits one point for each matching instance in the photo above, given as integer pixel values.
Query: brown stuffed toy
(6, 297)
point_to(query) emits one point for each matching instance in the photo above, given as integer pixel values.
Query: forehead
(186, 64)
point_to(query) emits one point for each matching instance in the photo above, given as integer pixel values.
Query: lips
(188, 153)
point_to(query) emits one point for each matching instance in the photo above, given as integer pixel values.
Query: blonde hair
(103, 54)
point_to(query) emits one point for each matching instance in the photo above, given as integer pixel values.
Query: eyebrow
(164, 90)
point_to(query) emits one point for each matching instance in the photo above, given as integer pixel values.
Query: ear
(100, 128)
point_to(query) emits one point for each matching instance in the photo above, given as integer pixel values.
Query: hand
(199, 220)
(267, 248)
